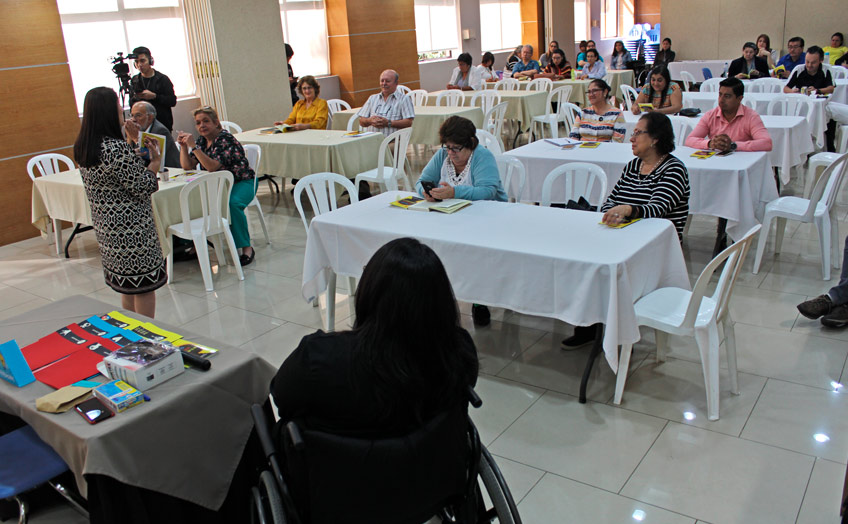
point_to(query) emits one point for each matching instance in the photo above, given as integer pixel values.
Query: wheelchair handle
(473, 398)
(260, 424)
(295, 436)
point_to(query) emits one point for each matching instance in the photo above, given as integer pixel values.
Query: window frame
(305, 5)
(500, 4)
(446, 53)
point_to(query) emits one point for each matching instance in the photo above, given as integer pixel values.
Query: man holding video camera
(152, 86)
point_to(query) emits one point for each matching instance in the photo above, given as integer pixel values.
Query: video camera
(122, 70)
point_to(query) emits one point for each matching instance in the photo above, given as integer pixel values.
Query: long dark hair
(100, 119)
(407, 323)
(659, 70)
(623, 49)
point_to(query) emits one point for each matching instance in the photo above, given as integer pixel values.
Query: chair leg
(231, 244)
(219, 249)
(331, 302)
(203, 259)
(170, 258)
(780, 226)
(688, 223)
(824, 226)
(554, 126)
(834, 240)
(708, 341)
(662, 345)
(730, 349)
(262, 222)
(621, 375)
(761, 244)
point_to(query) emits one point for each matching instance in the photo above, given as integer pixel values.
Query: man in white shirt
(143, 118)
(388, 110)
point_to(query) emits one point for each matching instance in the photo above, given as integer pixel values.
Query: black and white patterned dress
(119, 191)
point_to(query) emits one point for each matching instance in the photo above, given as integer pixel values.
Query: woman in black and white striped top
(655, 184)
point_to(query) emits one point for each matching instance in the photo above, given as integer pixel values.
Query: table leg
(721, 237)
(331, 302)
(78, 228)
(597, 349)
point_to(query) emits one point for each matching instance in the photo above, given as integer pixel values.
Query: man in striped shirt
(389, 110)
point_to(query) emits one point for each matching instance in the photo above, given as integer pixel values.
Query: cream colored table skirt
(425, 126)
(523, 105)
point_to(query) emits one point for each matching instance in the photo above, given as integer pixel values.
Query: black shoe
(816, 307)
(246, 260)
(837, 318)
(582, 335)
(364, 190)
(480, 315)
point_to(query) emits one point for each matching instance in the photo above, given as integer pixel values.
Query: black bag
(581, 205)
(690, 111)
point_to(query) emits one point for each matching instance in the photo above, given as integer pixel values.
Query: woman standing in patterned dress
(119, 188)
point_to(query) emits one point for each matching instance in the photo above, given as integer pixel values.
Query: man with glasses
(791, 60)
(388, 110)
(144, 119)
(152, 86)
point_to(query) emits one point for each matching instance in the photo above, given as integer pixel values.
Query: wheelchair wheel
(504, 509)
(267, 501)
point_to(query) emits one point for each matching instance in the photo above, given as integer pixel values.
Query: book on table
(279, 128)
(703, 153)
(416, 203)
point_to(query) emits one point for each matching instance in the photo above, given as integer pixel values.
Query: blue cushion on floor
(26, 462)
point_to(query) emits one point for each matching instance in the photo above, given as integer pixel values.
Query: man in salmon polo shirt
(729, 127)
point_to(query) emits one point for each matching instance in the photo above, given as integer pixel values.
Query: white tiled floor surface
(565, 462)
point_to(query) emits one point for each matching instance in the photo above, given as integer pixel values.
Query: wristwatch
(733, 146)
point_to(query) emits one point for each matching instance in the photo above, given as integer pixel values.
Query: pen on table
(146, 398)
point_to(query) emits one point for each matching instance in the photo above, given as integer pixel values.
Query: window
(500, 24)
(609, 18)
(305, 30)
(95, 30)
(581, 20)
(436, 28)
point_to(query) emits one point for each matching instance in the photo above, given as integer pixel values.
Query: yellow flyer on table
(703, 153)
(623, 224)
(590, 145)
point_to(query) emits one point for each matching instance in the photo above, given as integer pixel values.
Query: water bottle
(827, 58)
(724, 72)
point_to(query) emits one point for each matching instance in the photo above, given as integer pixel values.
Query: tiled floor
(655, 458)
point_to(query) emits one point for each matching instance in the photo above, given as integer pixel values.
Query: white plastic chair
(353, 123)
(767, 85)
(321, 190)
(560, 97)
(630, 96)
(387, 176)
(681, 312)
(580, 180)
(572, 113)
(838, 72)
(490, 142)
(214, 194)
(509, 166)
(711, 85)
(688, 79)
(749, 103)
(486, 99)
(419, 97)
(232, 127)
(49, 164)
(539, 84)
(254, 153)
(452, 98)
(335, 104)
(508, 84)
(682, 127)
(818, 209)
(493, 121)
(789, 106)
(816, 162)
(403, 89)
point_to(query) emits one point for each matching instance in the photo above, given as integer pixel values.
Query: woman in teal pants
(216, 149)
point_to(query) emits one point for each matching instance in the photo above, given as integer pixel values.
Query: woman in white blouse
(465, 76)
(487, 73)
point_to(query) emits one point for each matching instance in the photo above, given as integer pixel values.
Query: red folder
(77, 366)
(53, 347)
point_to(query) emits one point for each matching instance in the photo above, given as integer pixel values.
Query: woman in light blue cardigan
(461, 169)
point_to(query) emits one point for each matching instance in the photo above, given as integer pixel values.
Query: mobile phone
(429, 186)
(93, 410)
(724, 153)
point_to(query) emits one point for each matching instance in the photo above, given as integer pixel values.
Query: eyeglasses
(594, 91)
(453, 149)
(637, 132)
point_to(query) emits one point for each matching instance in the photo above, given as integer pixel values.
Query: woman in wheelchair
(405, 360)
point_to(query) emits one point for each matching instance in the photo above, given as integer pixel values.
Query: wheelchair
(323, 478)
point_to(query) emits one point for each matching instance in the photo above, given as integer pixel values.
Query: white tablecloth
(817, 119)
(735, 187)
(790, 136)
(541, 261)
(696, 68)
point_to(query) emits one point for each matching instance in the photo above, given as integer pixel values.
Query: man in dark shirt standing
(152, 86)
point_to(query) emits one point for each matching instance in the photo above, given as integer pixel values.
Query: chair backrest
(321, 190)
(710, 85)
(232, 127)
(419, 97)
(707, 72)
(735, 256)
(509, 166)
(486, 99)
(749, 102)
(403, 89)
(827, 186)
(539, 84)
(572, 112)
(788, 105)
(254, 154)
(451, 97)
(391, 174)
(630, 95)
(48, 164)
(214, 194)
(353, 123)
(494, 119)
(687, 79)
(767, 85)
(682, 127)
(490, 142)
(558, 96)
(337, 104)
(838, 72)
(508, 84)
(581, 179)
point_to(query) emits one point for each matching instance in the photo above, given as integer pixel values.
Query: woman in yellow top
(836, 48)
(310, 112)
